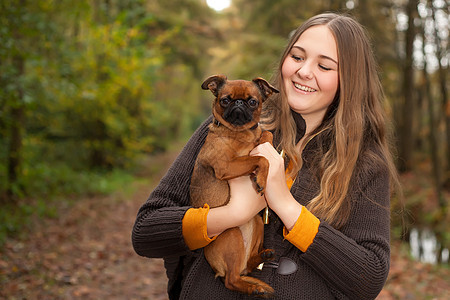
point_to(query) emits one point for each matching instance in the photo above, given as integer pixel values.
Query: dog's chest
(247, 236)
(235, 144)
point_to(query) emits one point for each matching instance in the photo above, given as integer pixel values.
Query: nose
(305, 71)
(239, 102)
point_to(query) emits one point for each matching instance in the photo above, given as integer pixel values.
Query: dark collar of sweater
(300, 124)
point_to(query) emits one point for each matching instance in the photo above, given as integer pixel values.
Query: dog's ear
(214, 83)
(266, 88)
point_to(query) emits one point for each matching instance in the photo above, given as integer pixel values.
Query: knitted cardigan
(349, 263)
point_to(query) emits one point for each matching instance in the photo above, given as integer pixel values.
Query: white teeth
(304, 88)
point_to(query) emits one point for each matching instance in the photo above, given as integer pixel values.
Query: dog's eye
(252, 102)
(224, 102)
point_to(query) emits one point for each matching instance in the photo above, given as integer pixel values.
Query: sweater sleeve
(157, 231)
(355, 260)
(195, 231)
(304, 231)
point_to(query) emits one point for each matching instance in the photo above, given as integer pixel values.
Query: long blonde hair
(355, 119)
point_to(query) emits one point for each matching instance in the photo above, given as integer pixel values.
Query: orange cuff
(194, 228)
(304, 231)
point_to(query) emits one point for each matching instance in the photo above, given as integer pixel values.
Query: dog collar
(217, 123)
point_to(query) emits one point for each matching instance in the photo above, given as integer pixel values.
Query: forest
(91, 90)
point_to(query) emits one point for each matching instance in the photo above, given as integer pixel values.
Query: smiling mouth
(304, 88)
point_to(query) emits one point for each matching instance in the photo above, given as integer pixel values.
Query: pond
(426, 248)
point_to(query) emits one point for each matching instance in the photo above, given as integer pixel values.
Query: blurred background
(98, 96)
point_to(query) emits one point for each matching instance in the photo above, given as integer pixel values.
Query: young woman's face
(310, 74)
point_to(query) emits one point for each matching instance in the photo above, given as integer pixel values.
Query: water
(425, 247)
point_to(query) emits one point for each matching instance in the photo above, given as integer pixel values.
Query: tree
(13, 74)
(433, 128)
(93, 84)
(406, 136)
(441, 50)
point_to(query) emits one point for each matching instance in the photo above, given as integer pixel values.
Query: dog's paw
(258, 187)
(263, 292)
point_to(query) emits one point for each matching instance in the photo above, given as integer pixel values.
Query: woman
(329, 225)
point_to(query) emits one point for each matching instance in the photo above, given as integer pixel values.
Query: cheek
(330, 84)
(286, 70)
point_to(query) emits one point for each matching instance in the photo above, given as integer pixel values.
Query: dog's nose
(239, 102)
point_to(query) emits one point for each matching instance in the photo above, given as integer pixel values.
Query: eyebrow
(321, 56)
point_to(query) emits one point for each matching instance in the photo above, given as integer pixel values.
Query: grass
(48, 187)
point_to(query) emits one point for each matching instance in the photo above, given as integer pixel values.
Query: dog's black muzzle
(238, 114)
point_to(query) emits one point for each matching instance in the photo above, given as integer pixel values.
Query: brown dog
(225, 155)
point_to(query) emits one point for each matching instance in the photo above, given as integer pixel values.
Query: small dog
(225, 155)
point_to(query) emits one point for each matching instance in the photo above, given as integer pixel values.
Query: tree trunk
(406, 134)
(440, 52)
(433, 136)
(14, 154)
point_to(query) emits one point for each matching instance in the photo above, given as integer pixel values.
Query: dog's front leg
(266, 137)
(245, 165)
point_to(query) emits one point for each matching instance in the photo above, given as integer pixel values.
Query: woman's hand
(277, 193)
(244, 204)
(244, 200)
(276, 180)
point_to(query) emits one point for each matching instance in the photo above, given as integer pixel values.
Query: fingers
(263, 150)
(276, 186)
(276, 162)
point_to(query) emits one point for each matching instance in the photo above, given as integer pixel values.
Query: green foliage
(103, 81)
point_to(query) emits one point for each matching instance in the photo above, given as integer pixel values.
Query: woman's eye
(297, 58)
(324, 68)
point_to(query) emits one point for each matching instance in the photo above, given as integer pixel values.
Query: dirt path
(86, 253)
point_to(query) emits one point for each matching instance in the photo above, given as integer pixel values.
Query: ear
(266, 88)
(214, 83)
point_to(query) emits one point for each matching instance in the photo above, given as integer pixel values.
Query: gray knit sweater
(350, 263)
